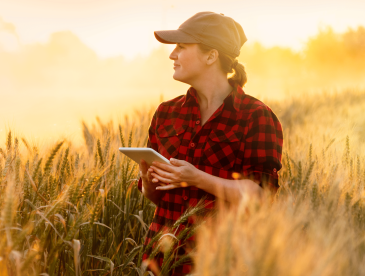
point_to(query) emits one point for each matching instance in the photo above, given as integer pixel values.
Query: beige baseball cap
(212, 29)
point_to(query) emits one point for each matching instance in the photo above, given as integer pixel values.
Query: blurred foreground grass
(316, 224)
(69, 210)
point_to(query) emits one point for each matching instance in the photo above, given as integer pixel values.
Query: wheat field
(75, 209)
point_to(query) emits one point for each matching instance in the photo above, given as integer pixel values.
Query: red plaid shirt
(243, 135)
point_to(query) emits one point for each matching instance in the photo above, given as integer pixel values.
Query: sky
(125, 27)
(63, 61)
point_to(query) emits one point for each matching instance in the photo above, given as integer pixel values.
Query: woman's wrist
(152, 194)
(150, 187)
(199, 179)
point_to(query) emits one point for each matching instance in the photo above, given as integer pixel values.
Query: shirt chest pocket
(221, 149)
(169, 139)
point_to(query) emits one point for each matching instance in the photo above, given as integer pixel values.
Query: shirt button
(197, 122)
(182, 226)
(192, 145)
(185, 197)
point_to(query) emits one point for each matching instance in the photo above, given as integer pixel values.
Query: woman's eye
(181, 47)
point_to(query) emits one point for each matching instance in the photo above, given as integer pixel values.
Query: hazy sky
(56, 79)
(121, 27)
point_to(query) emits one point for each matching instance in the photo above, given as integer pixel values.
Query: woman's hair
(228, 65)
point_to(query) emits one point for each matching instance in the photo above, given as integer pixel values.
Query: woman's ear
(212, 56)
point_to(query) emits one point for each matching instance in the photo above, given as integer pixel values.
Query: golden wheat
(80, 213)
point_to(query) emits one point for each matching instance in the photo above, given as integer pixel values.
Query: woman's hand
(146, 175)
(149, 187)
(179, 174)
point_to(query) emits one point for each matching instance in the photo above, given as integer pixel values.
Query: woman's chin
(179, 78)
(176, 77)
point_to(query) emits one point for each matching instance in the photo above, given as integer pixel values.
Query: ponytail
(229, 65)
(240, 76)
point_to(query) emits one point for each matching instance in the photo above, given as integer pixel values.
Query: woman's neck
(212, 93)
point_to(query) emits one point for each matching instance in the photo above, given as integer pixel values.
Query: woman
(213, 131)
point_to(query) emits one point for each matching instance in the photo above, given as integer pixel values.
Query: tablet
(147, 154)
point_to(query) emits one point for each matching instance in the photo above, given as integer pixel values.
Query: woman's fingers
(150, 177)
(143, 166)
(161, 172)
(161, 178)
(168, 187)
(146, 173)
(165, 167)
(177, 162)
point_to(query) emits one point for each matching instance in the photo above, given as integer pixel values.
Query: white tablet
(147, 154)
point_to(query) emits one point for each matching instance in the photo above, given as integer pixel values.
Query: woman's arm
(182, 174)
(148, 187)
(227, 189)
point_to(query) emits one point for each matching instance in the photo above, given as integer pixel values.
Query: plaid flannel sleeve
(263, 148)
(151, 142)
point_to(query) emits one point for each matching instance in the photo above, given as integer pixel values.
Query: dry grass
(315, 226)
(72, 211)
(69, 210)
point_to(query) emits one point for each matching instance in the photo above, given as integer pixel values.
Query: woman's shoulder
(251, 105)
(170, 105)
(178, 101)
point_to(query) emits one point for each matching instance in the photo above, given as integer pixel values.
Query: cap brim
(174, 36)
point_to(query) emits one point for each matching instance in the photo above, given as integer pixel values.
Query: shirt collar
(235, 97)
(190, 95)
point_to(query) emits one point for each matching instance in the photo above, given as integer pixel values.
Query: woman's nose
(173, 55)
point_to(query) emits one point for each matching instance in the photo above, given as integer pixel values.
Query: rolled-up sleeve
(151, 142)
(263, 148)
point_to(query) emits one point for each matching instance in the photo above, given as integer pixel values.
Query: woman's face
(188, 62)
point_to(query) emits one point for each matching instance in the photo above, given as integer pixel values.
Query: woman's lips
(176, 66)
